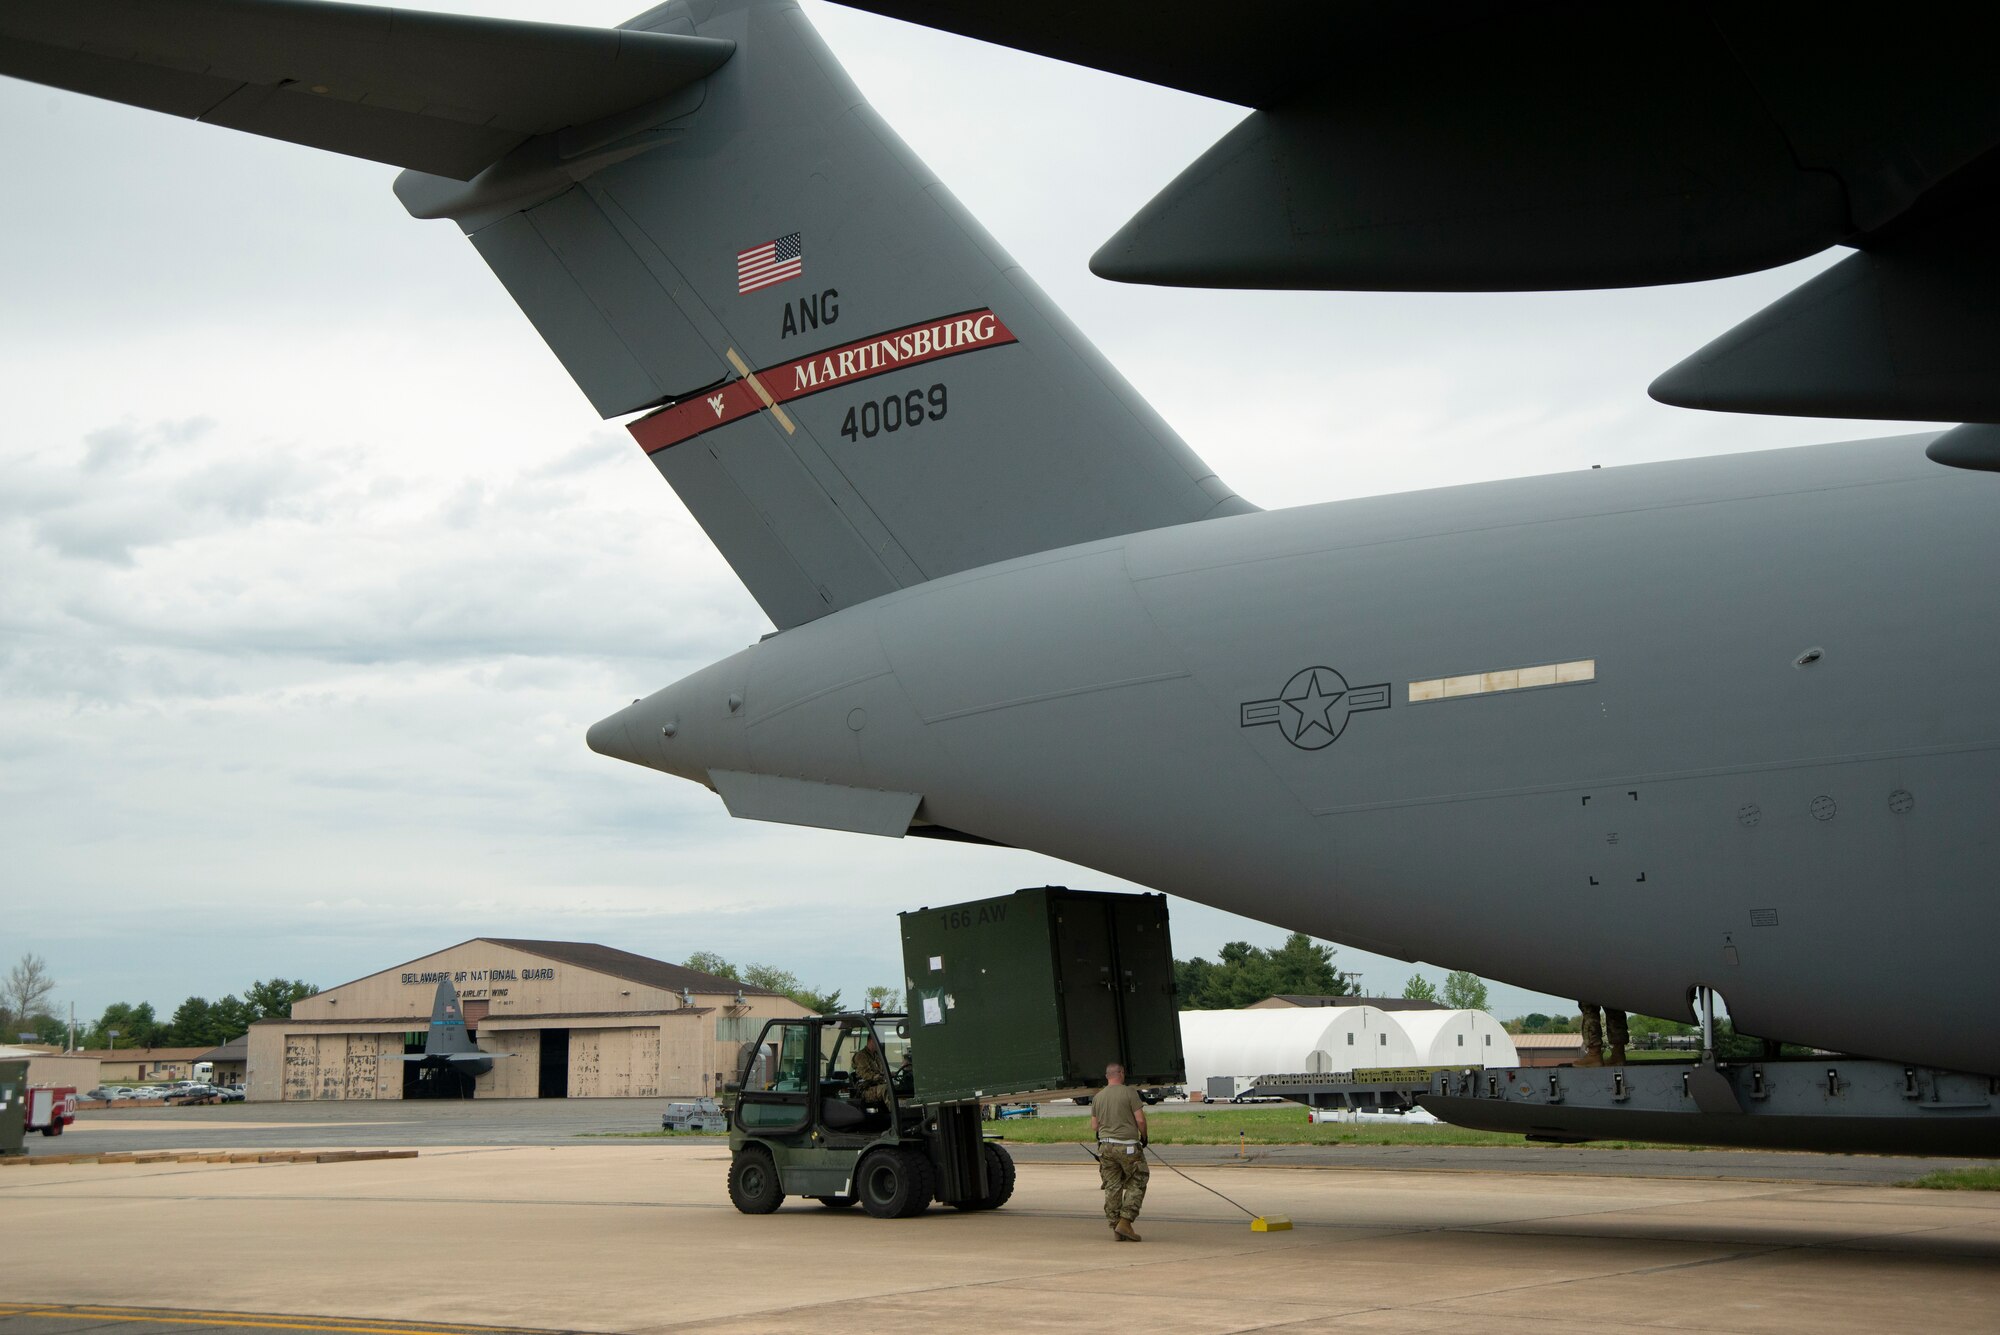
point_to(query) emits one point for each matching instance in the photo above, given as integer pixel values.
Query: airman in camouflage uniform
(871, 1072)
(1594, 1021)
(1118, 1118)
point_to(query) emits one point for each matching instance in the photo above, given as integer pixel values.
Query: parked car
(1147, 1094)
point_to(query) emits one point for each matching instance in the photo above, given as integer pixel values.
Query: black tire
(999, 1180)
(52, 1131)
(753, 1181)
(894, 1183)
(838, 1202)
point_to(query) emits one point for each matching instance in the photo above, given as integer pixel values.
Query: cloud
(126, 443)
(121, 489)
(594, 454)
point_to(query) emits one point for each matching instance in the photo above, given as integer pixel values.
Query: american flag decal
(772, 262)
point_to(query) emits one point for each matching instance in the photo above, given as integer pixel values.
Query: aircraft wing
(1518, 147)
(1174, 43)
(1572, 144)
(440, 93)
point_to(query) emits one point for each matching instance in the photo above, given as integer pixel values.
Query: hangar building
(580, 1020)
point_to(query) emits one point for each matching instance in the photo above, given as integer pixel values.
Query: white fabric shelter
(1266, 1042)
(1458, 1038)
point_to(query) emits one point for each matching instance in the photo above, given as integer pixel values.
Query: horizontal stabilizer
(434, 1058)
(441, 93)
(824, 806)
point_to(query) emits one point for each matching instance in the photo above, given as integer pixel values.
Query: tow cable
(1259, 1223)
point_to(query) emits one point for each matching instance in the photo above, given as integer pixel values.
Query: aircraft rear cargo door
(1084, 957)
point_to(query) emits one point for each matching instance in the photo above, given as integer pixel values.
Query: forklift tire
(753, 1181)
(894, 1183)
(838, 1202)
(999, 1180)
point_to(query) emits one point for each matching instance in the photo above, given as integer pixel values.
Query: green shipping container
(1038, 991)
(13, 1106)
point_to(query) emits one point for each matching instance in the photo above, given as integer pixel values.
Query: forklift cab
(840, 1078)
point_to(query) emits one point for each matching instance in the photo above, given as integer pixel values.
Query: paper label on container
(933, 1012)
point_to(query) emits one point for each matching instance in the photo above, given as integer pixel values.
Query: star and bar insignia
(1313, 709)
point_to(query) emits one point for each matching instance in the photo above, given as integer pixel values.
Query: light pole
(114, 1038)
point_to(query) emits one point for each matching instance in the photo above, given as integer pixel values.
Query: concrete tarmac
(639, 1237)
(489, 1122)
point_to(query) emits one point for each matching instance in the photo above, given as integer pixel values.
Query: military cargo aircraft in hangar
(1742, 701)
(450, 1060)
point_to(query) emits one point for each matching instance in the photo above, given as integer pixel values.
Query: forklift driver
(871, 1072)
(857, 1099)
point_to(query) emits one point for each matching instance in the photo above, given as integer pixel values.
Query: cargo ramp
(1833, 1104)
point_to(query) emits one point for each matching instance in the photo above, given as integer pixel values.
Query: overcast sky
(315, 566)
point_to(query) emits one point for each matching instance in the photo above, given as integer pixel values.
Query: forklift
(1018, 996)
(807, 1124)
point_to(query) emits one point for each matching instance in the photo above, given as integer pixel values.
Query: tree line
(1462, 991)
(195, 1023)
(784, 981)
(24, 995)
(1242, 975)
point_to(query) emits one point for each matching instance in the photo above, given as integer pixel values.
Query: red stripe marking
(690, 417)
(847, 364)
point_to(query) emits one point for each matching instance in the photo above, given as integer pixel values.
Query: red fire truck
(50, 1108)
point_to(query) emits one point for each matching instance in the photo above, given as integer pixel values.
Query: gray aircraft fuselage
(1777, 779)
(1614, 735)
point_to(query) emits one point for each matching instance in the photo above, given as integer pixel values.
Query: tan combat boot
(1618, 1056)
(1591, 1059)
(1126, 1233)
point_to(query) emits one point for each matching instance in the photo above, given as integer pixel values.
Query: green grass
(1269, 1125)
(1959, 1179)
(1253, 1126)
(1230, 1125)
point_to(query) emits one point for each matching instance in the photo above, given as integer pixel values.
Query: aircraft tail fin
(447, 1036)
(853, 387)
